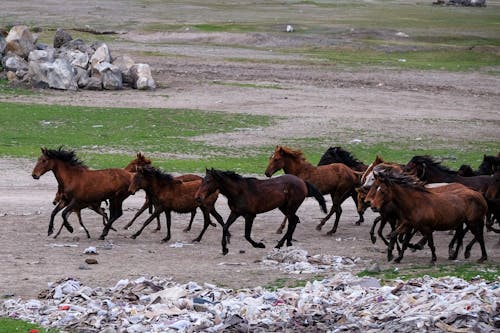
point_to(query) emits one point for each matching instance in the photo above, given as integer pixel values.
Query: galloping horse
(248, 197)
(488, 166)
(62, 201)
(340, 155)
(424, 210)
(82, 186)
(335, 179)
(170, 194)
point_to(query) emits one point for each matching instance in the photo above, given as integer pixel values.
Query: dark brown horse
(427, 211)
(170, 194)
(82, 186)
(336, 179)
(248, 197)
(340, 155)
(488, 166)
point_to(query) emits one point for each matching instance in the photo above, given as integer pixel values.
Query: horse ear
(43, 149)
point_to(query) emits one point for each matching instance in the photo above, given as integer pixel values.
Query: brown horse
(249, 196)
(335, 179)
(424, 210)
(82, 186)
(62, 201)
(170, 194)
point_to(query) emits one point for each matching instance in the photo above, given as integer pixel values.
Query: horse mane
(339, 155)
(295, 153)
(389, 176)
(67, 156)
(218, 174)
(151, 171)
(429, 161)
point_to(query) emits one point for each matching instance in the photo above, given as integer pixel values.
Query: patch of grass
(248, 85)
(112, 132)
(8, 325)
(7, 89)
(286, 282)
(467, 271)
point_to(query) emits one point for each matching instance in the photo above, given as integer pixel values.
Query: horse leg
(372, 230)
(292, 223)
(188, 228)
(65, 214)
(430, 241)
(79, 215)
(168, 216)
(354, 196)
(390, 247)
(477, 231)
(326, 218)
(115, 211)
(406, 240)
(206, 223)
(56, 210)
(458, 239)
(338, 210)
(139, 212)
(225, 231)
(248, 230)
(220, 220)
(148, 221)
(282, 226)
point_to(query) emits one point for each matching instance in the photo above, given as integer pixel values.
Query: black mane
(390, 177)
(430, 162)
(151, 171)
(67, 156)
(339, 155)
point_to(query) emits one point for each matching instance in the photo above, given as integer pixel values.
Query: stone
(94, 83)
(3, 44)
(58, 75)
(91, 261)
(141, 77)
(42, 55)
(13, 62)
(100, 55)
(61, 37)
(20, 41)
(124, 63)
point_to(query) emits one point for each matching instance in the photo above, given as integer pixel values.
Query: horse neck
(404, 198)
(65, 173)
(297, 166)
(229, 188)
(434, 175)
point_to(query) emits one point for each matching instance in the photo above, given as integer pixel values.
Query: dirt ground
(417, 108)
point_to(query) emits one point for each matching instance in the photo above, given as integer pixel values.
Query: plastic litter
(342, 302)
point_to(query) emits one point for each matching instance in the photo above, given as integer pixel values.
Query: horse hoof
(318, 227)
(373, 239)
(397, 260)
(481, 260)
(224, 251)
(102, 237)
(213, 225)
(358, 222)
(133, 236)
(196, 240)
(166, 239)
(50, 233)
(279, 231)
(466, 254)
(390, 257)
(70, 228)
(260, 245)
(330, 233)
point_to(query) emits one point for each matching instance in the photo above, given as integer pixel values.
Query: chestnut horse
(424, 210)
(248, 197)
(82, 186)
(170, 194)
(62, 201)
(336, 179)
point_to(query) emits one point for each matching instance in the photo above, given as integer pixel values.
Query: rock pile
(69, 64)
(340, 303)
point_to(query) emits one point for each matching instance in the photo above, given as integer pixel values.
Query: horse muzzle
(268, 174)
(35, 176)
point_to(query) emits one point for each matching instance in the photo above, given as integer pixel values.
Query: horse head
(209, 185)
(43, 164)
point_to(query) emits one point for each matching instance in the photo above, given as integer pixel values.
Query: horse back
(180, 196)
(98, 185)
(335, 176)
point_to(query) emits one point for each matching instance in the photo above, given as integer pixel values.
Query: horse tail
(312, 191)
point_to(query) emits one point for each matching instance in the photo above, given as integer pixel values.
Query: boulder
(82, 77)
(124, 63)
(101, 54)
(61, 37)
(3, 44)
(110, 75)
(42, 55)
(76, 58)
(94, 83)
(58, 75)
(13, 62)
(141, 77)
(20, 41)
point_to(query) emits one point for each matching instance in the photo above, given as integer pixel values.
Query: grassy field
(110, 137)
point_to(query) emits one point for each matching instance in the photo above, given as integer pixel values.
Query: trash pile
(342, 302)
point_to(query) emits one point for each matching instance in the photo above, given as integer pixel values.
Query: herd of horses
(421, 196)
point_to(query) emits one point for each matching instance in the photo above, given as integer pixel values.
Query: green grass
(8, 325)
(110, 137)
(468, 271)
(7, 89)
(287, 282)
